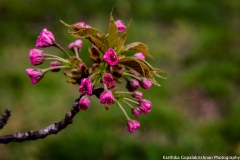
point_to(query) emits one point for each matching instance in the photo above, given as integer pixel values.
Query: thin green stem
(105, 87)
(76, 52)
(128, 74)
(128, 104)
(128, 99)
(59, 58)
(123, 92)
(51, 68)
(61, 48)
(125, 113)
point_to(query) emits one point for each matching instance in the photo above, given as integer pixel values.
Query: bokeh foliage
(195, 112)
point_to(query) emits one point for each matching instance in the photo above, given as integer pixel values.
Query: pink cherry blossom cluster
(100, 79)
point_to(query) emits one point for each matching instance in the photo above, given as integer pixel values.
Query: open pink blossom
(132, 85)
(36, 56)
(107, 97)
(35, 74)
(86, 86)
(139, 55)
(145, 83)
(132, 125)
(84, 102)
(145, 106)
(108, 80)
(76, 45)
(121, 27)
(45, 39)
(111, 57)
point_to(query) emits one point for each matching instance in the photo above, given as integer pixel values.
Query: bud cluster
(100, 79)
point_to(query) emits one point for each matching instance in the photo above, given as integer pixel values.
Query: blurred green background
(195, 111)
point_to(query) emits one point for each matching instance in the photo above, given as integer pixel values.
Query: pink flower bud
(82, 68)
(76, 44)
(35, 75)
(111, 57)
(107, 97)
(36, 56)
(118, 71)
(145, 83)
(134, 72)
(121, 27)
(83, 24)
(145, 106)
(86, 86)
(84, 102)
(55, 64)
(132, 85)
(136, 112)
(137, 94)
(108, 79)
(45, 39)
(139, 55)
(132, 125)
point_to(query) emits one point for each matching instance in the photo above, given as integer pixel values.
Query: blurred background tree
(195, 111)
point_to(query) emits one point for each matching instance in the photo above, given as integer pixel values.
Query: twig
(34, 135)
(5, 116)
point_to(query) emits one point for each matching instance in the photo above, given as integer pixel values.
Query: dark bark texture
(34, 135)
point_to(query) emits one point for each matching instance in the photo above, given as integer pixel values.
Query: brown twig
(5, 116)
(34, 135)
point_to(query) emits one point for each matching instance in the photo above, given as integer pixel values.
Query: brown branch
(34, 135)
(5, 116)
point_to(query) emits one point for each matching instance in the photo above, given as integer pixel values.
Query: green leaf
(152, 69)
(122, 38)
(94, 35)
(133, 63)
(112, 33)
(142, 67)
(97, 43)
(138, 46)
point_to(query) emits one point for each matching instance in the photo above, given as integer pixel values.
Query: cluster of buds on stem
(109, 68)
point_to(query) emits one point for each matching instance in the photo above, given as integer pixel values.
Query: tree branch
(5, 116)
(34, 135)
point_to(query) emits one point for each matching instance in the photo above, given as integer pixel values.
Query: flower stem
(128, 99)
(105, 87)
(122, 92)
(128, 104)
(128, 74)
(76, 52)
(125, 113)
(61, 48)
(58, 58)
(51, 68)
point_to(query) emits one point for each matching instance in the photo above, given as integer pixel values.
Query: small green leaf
(122, 38)
(94, 35)
(112, 33)
(138, 46)
(142, 67)
(152, 69)
(97, 43)
(132, 62)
